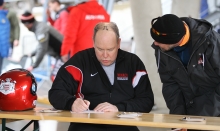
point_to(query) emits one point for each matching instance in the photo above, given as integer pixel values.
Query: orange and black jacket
(193, 89)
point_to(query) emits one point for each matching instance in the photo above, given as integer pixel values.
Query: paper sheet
(129, 115)
(49, 111)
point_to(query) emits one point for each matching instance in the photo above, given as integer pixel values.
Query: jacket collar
(199, 30)
(120, 56)
(58, 13)
(170, 53)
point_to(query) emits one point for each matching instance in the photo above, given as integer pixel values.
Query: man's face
(165, 47)
(106, 47)
(28, 25)
(52, 6)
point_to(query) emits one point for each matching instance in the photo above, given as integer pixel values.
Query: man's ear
(119, 41)
(94, 43)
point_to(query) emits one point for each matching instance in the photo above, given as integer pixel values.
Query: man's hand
(106, 107)
(30, 68)
(80, 105)
(64, 58)
(16, 43)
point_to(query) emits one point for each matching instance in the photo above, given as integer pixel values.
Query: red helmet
(17, 90)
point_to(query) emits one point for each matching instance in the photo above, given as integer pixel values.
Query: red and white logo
(122, 76)
(7, 86)
(200, 61)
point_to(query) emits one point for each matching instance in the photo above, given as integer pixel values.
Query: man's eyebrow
(105, 28)
(99, 48)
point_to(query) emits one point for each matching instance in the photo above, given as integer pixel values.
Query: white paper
(193, 119)
(88, 111)
(129, 115)
(49, 111)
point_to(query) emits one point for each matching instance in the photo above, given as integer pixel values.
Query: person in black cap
(49, 39)
(187, 51)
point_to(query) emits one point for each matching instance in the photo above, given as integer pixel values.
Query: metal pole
(45, 10)
(104, 3)
(110, 6)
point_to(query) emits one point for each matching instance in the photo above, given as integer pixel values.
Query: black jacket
(194, 90)
(131, 91)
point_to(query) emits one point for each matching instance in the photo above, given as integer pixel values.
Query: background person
(106, 77)
(49, 39)
(14, 27)
(82, 19)
(187, 51)
(61, 16)
(4, 34)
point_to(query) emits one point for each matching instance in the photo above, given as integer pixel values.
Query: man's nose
(105, 53)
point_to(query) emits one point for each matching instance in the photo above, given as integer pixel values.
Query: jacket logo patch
(95, 17)
(201, 59)
(122, 76)
(94, 74)
(7, 86)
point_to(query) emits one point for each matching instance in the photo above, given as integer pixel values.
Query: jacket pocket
(204, 105)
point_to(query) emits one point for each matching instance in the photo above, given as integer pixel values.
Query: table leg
(3, 124)
(36, 125)
(4, 128)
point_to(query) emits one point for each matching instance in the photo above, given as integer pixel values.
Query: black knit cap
(168, 29)
(27, 18)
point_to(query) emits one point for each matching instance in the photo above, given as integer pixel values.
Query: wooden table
(147, 119)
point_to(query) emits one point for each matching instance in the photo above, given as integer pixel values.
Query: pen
(80, 96)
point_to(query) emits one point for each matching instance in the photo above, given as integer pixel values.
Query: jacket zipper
(195, 51)
(189, 58)
(188, 62)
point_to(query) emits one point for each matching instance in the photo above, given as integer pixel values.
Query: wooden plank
(147, 119)
(9, 120)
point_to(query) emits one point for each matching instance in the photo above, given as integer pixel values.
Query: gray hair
(106, 26)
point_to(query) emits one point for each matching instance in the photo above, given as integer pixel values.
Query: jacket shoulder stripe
(77, 75)
(137, 77)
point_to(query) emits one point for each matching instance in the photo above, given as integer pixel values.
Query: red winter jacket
(79, 30)
(61, 20)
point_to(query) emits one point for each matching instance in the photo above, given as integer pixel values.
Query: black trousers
(100, 127)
